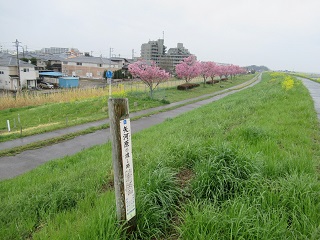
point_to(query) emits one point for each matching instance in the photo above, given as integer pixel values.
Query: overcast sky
(280, 34)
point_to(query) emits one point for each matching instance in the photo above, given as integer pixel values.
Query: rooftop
(11, 60)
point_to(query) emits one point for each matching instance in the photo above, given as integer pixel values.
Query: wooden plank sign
(127, 165)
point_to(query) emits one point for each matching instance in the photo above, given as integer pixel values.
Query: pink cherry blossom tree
(220, 71)
(226, 71)
(213, 71)
(232, 70)
(150, 74)
(235, 70)
(188, 69)
(207, 70)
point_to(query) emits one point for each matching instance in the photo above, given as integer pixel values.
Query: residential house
(46, 61)
(14, 75)
(53, 62)
(90, 67)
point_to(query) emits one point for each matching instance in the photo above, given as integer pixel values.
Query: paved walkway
(314, 90)
(15, 165)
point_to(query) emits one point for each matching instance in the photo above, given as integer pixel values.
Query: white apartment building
(153, 50)
(156, 51)
(178, 54)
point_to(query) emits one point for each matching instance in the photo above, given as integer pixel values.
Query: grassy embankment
(40, 113)
(244, 167)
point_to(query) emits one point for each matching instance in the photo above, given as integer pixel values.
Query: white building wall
(28, 76)
(6, 82)
(4, 75)
(28, 73)
(89, 65)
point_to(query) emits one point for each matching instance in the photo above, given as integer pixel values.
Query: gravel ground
(91, 83)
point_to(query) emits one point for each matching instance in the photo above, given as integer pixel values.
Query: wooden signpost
(120, 130)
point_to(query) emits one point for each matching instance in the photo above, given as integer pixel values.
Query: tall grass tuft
(286, 208)
(222, 175)
(157, 200)
(91, 219)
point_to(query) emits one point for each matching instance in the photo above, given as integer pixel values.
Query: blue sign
(109, 74)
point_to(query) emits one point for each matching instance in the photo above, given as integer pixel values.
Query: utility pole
(18, 66)
(111, 50)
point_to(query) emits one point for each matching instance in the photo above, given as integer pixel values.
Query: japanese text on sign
(126, 147)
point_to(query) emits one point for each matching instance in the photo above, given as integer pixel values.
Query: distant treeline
(254, 68)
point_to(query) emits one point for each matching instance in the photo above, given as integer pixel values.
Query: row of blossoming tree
(189, 68)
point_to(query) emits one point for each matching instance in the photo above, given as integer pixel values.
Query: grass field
(44, 113)
(244, 167)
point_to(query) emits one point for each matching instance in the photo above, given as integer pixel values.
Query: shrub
(212, 81)
(165, 101)
(187, 86)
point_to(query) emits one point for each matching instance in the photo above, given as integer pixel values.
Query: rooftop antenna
(163, 35)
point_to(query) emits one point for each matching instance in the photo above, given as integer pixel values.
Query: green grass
(49, 117)
(244, 167)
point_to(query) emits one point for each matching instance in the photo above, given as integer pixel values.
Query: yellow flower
(288, 83)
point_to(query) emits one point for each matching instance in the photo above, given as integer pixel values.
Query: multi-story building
(54, 50)
(178, 54)
(156, 51)
(90, 67)
(153, 50)
(57, 50)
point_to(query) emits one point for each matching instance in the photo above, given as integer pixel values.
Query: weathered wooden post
(122, 161)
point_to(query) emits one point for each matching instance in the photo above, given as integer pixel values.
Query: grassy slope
(51, 116)
(251, 159)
